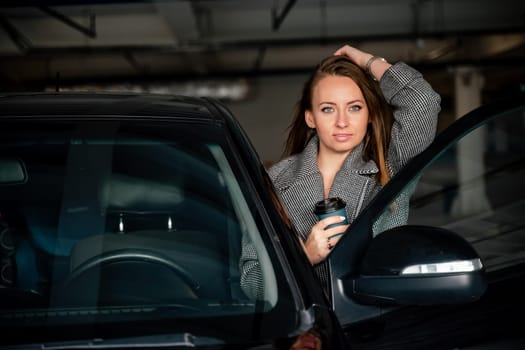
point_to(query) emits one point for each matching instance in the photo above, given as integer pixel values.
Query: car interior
(100, 221)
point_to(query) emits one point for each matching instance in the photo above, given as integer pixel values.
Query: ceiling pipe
(416, 5)
(278, 18)
(323, 16)
(203, 20)
(135, 64)
(89, 32)
(261, 53)
(20, 41)
(202, 46)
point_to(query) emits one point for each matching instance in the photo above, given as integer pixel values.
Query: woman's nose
(342, 121)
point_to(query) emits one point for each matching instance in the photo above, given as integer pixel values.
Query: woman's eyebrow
(349, 102)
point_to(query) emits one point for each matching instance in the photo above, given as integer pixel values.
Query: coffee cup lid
(329, 205)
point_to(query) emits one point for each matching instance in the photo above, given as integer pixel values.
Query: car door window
(474, 188)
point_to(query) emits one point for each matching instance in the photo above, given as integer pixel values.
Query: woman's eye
(327, 109)
(355, 108)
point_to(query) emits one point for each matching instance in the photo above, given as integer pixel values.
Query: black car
(122, 217)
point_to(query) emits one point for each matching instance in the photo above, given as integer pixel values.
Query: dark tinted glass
(475, 188)
(118, 222)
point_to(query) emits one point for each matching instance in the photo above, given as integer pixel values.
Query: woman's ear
(309, 119)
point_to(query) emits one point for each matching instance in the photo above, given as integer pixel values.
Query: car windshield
(129, 222)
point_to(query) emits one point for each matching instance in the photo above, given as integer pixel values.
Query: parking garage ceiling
(114, 41)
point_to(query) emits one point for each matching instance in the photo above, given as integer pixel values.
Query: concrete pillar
(471, 197)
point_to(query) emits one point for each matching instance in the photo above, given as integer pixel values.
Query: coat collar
(354, 163)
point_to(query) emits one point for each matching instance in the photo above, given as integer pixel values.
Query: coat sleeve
(250, 268)
(251, 280)
(416, 108)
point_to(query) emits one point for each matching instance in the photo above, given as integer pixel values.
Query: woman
(359, 120)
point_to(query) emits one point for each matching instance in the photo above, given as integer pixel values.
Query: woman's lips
(342, 137)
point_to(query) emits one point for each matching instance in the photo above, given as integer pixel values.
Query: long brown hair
(381, 117)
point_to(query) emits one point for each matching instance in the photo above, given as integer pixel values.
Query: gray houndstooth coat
(299, 183)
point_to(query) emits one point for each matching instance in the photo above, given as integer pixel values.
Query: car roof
(107, 104)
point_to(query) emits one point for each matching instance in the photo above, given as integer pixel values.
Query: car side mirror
(418, 265)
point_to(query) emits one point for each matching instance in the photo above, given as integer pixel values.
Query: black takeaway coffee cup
(330, 207)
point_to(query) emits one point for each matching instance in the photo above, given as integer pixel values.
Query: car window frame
(282, 237)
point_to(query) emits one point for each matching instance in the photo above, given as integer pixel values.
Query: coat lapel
(353, 180)
(303, 185)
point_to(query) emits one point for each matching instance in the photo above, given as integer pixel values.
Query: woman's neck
(329, 165)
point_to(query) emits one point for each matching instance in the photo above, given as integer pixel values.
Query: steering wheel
(128, 276)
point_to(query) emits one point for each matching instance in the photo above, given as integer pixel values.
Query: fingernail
(342, 218)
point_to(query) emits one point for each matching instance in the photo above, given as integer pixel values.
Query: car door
(461, 204)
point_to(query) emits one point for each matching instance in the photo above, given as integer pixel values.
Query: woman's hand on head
(357, 56)
(320, 241)
(376, 65)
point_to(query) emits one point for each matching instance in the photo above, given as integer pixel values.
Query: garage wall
(267, 112)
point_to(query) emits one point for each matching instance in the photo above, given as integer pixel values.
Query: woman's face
(339, 113)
